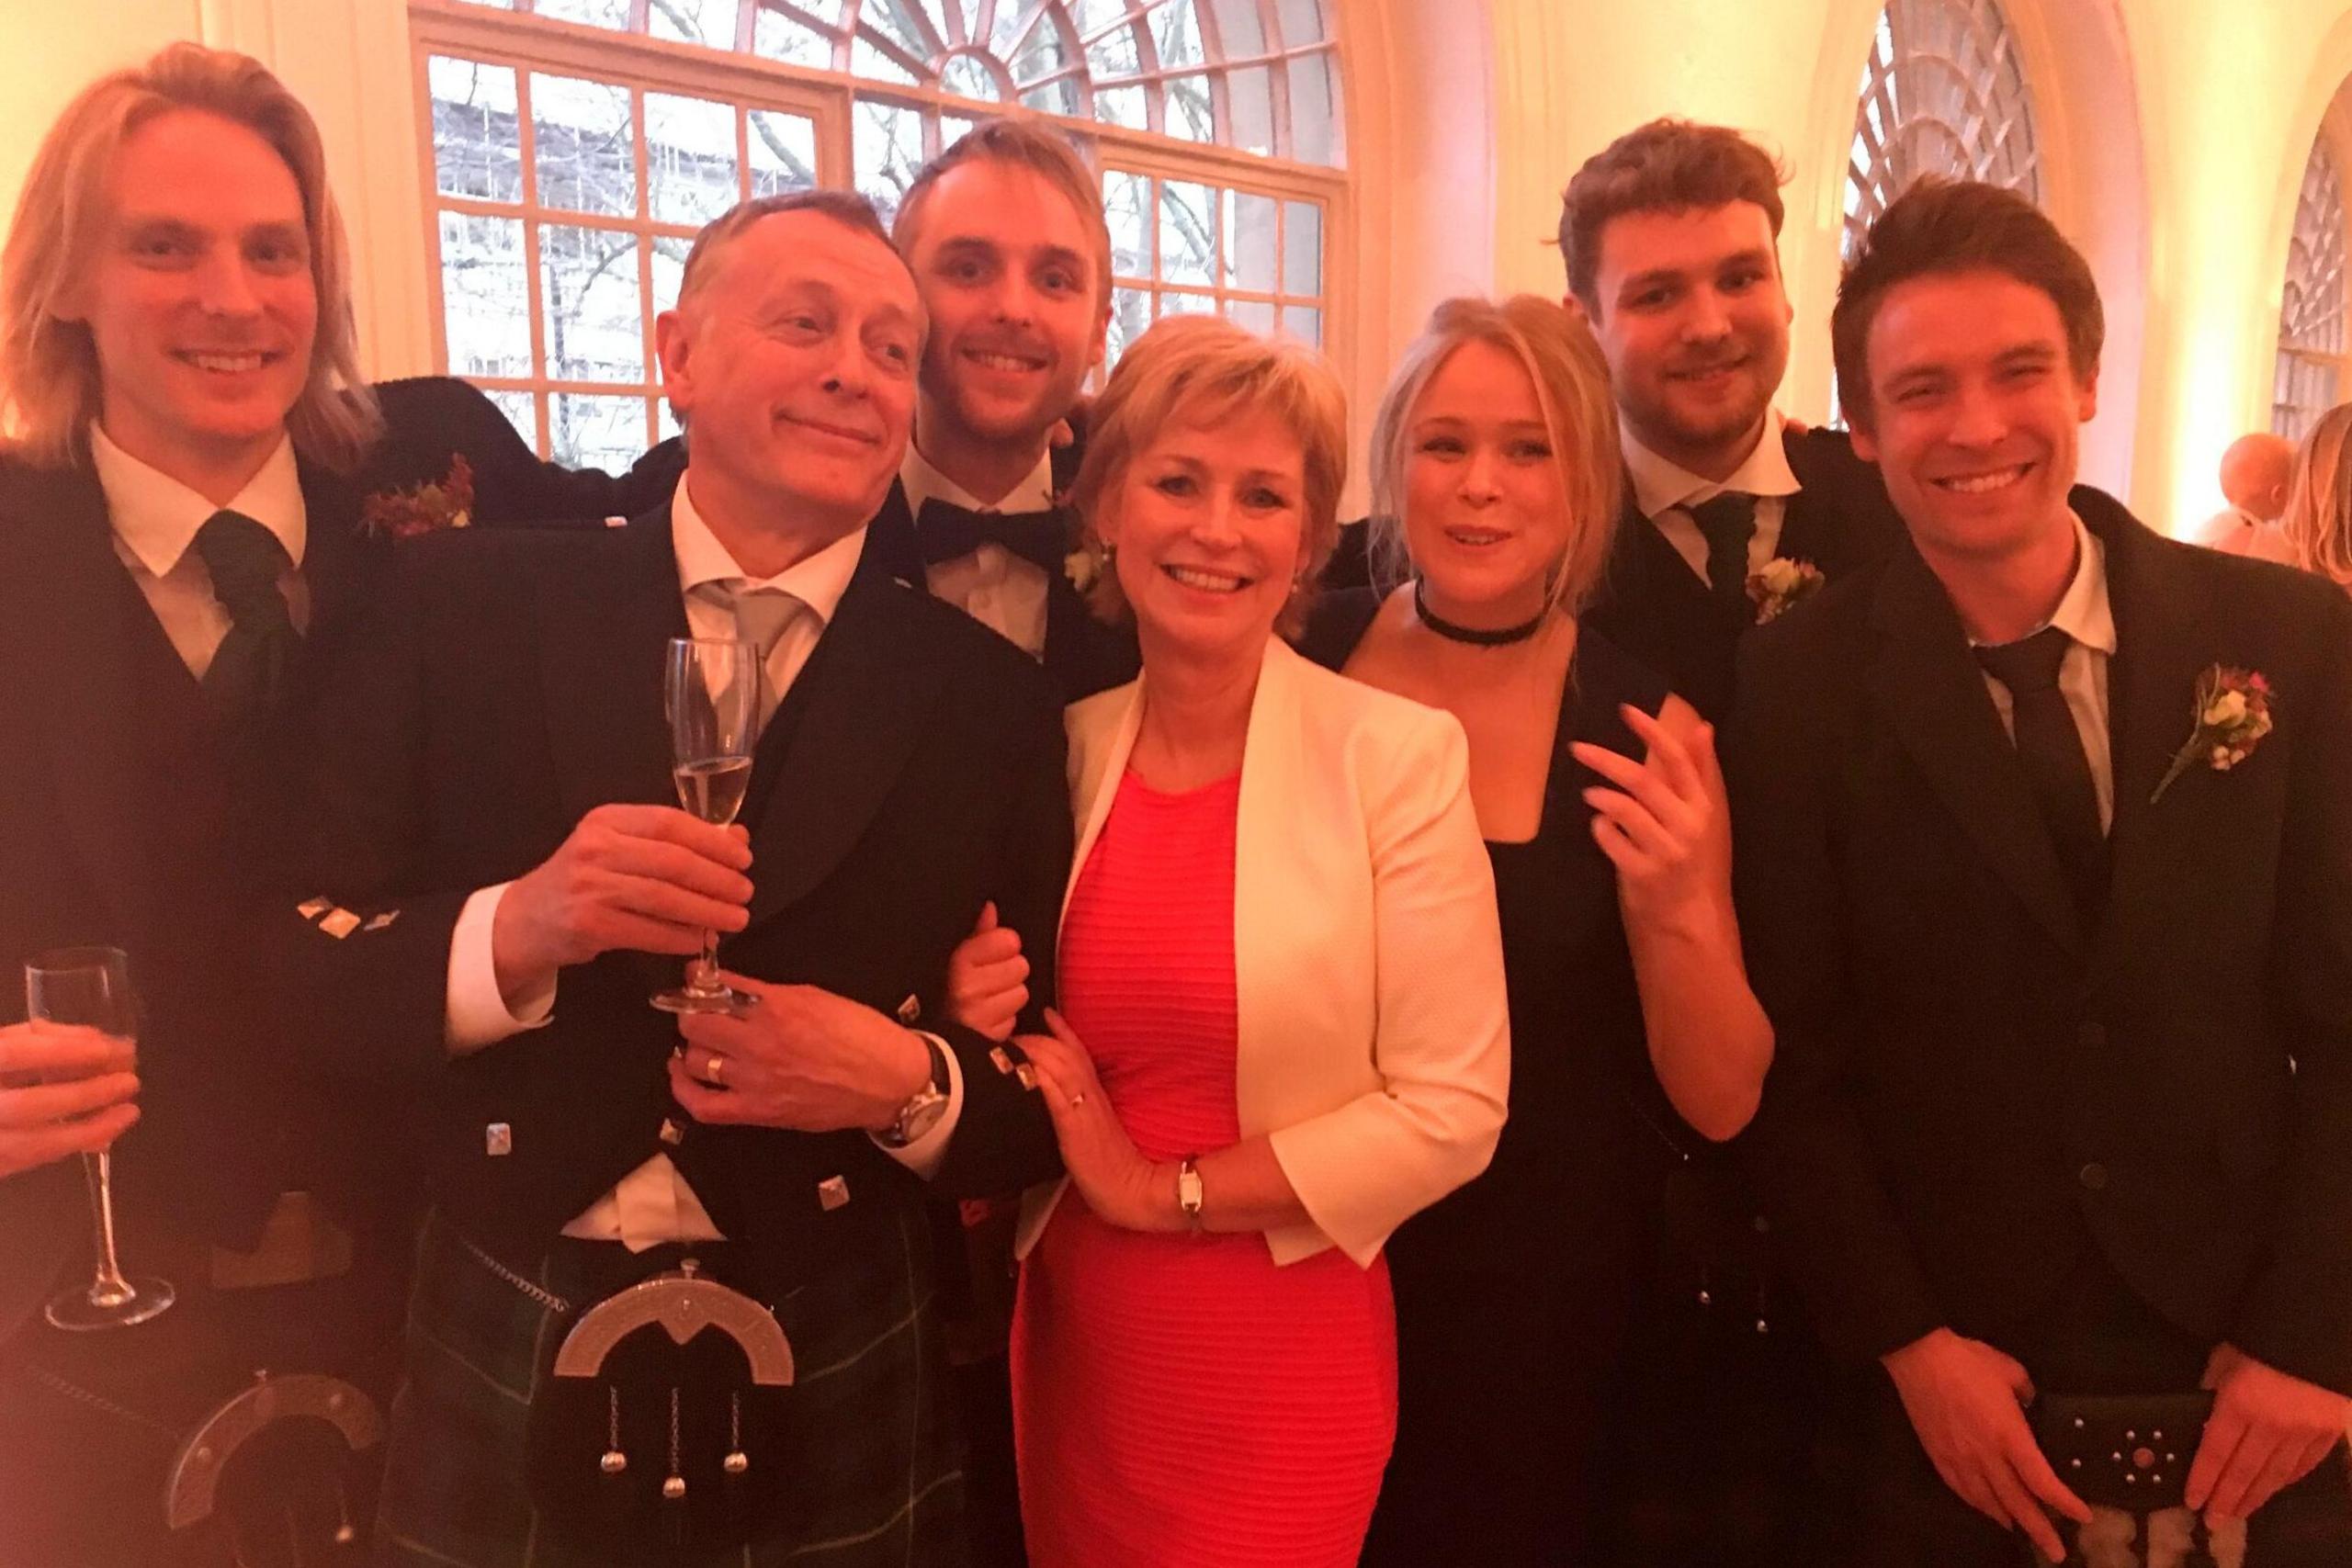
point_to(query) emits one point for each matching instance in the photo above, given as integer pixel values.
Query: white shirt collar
(817, 580)
(925, 482)
(1660, 485)
(2083, 612)
(156, 516)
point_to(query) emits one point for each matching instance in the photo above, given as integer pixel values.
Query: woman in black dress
(1496, 473)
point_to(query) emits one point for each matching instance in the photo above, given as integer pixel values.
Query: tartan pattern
(878, 1448)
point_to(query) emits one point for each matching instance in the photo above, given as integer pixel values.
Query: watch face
(922, 1116)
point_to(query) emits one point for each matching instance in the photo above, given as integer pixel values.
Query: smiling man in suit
(505, 787)
(2046, 866)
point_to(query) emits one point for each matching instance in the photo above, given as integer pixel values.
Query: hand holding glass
(711, 693)
(90, 985)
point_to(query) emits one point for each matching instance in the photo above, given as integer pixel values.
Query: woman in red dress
(1284, 1026)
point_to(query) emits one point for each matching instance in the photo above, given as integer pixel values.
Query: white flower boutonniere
(1781, 583)
(2230, 716)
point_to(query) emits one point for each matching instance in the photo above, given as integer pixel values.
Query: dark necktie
(253, 671)
(945, 532)
(2052, 750)
(1727, 522)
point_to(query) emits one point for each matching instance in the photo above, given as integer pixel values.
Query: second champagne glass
(90, 985)
(711, 692)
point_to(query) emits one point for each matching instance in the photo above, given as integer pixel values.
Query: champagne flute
(711, 692)
(92, 986)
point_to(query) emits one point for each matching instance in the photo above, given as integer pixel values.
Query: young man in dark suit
(1669, 236)
(501, 792)
(2047, 874)
(200, 504)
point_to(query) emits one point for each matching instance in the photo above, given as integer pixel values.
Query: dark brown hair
(1941, 226)
(1022, 143)
(1671, 165)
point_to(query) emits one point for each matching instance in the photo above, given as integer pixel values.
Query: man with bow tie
(2045, 865)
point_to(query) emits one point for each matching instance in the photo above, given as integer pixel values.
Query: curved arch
(2080, 73)
(2323, 112)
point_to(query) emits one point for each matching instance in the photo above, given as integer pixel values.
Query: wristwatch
(1189, 1193)
(923, 1108)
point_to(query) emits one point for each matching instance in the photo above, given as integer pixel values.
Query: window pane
(779, 36)
(1254, 314)
(689, 158)
(1188, 117)
(954, 128)
(869, 61)
(1249, 96)
(1130, 314)
(886, 147)
(1302, 21)
(595, 325)
(1188, 305)
(586, 161)
(669, 269)
(710, 23)
(522, 411)
(1122, 106)
(1176, 36)
(1301, 248)
(485, 295)
(784, 152)
(1306, 326)
(1114, 53)
(1187, 233)
(588, 432)
(477, 151)
(1250, 231)
(1126, 204)
(595, 13)
(967, 78)
(1314, 121)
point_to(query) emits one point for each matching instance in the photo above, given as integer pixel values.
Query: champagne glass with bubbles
(90, 985)
(711, 692)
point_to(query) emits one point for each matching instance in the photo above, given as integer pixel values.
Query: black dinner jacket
(109, 813)
(1971, 1087)
(1655, 607)
(914, 771)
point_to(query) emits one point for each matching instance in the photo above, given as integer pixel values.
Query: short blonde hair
(49, 376)
(2318, 522)
(1571, 380)
(1204, 368)
(1018, 141)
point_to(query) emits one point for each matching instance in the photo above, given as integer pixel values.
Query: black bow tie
(945, 532)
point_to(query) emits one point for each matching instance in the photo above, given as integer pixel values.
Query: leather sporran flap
(2128, 1452)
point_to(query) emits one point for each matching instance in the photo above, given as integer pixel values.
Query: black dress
(1515, 1295)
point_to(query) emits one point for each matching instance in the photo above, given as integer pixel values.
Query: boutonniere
(2231, 715)
(1083, 566)
(1781, 583)
(422, 508)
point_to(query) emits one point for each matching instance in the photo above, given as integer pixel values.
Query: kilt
(875, 1448)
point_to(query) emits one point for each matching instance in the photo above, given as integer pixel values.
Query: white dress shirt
(992, 585)
(1665, 491)
(653, 1203)
(155, 520)
(2084, 616)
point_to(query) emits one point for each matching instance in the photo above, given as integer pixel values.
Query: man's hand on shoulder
(1966, 1400)
(64, 1090)
(645, 878)
(799, 1058)
(2268, 1431)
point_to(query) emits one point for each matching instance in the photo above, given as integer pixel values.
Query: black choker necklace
(1477, 637)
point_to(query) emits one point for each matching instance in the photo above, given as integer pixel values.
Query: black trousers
(2098, 1338)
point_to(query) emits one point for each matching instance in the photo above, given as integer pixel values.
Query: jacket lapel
(891, 544)
(1103, 735)
(338, 560)
(852, 719)
(604, 631)
(1931, 695)
(82, 604)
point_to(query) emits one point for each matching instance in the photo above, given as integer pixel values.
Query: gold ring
(1078, 1099)
(714, 1072)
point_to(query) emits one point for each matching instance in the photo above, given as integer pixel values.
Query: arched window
(2310, 379)
(576, 146)
(1942, 93)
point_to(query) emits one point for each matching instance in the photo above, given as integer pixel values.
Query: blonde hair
(1205, 369)
(49, 376)
(2318, 523)
(1571, 381)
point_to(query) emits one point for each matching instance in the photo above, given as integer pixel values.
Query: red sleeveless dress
(1179, 1400)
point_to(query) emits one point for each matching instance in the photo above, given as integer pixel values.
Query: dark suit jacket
(914, 771)
(1655, 607)
(122, 831)
(435, 416)
(1970, 1088)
